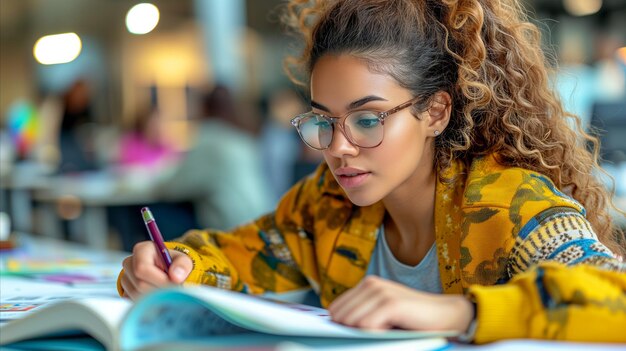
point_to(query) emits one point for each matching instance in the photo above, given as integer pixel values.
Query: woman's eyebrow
(352, 105)
(363, 101)
(319, 106)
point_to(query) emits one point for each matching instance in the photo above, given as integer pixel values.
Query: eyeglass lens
(362, 128)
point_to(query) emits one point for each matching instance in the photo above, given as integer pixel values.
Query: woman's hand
(376, 303)
(145, 271)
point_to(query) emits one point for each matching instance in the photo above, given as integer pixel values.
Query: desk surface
(49, 248)
(53, 250)
(43, 270)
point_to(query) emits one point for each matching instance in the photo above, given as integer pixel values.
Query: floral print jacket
(506, 237)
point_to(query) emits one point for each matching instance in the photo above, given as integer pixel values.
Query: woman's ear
(439, 113)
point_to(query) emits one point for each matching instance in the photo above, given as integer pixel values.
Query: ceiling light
(142, 18)
(57, 48)
(582, 7)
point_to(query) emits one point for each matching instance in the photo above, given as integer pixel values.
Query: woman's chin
(361, 199)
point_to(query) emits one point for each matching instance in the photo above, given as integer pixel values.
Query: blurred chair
(608, 119)
(608, 122)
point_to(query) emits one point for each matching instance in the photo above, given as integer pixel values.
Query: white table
(93, 192)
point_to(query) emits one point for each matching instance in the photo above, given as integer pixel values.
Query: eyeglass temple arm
(384, 115)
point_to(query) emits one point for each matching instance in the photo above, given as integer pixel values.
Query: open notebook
(197, 317)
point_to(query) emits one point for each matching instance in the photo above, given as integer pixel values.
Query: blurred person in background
(75, 137)
(222, 170)
(141, 153)
(280, 144)
(143, 146)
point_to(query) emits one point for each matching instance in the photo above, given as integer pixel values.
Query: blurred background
(110, 105)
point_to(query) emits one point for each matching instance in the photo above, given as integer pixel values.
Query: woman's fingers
(145, 266)
(356, 302)
(142, 273)
(376, 303)
(180, 268)
(379, 313)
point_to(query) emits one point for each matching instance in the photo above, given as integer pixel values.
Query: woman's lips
(351, 178)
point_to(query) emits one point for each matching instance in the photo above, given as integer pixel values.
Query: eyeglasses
(362, 128)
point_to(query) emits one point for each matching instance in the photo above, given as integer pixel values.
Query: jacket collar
(354, 241)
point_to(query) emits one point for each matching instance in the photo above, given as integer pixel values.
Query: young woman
(453, 194)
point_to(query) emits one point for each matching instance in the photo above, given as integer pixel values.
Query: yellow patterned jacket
(505, 236)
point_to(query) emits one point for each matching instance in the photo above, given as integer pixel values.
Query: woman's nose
(340, 145)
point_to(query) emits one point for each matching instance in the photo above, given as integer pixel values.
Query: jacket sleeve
(554, 301)
(273, 253)
(566, 285)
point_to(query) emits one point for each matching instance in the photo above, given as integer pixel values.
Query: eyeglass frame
(341, 121)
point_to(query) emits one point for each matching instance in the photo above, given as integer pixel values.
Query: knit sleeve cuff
(210, 266)
(499, 312)
(214, 269)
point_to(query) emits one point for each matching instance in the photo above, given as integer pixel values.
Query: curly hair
(488, 57)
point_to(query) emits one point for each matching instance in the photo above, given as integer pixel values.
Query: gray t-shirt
(424, 276)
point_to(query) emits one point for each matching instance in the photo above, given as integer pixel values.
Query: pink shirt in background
(136, 151)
